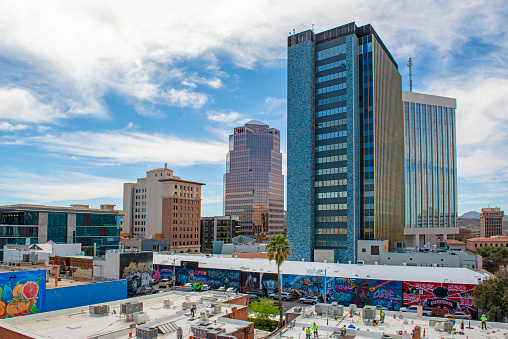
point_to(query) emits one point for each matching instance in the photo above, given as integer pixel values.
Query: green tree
(491, 296)
(493, 257)
(263, 312)
(278, 249)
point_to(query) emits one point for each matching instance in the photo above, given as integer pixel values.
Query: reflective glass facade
(253, 183)
(430, 166)
(344, 107)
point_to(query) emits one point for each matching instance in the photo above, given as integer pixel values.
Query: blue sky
(95, 93)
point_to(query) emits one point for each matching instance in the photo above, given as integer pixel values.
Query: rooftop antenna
(410, 66)
(313, 27)
(294, 31)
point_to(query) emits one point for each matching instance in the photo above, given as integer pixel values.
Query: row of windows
(330, 65)
(139, 223)
(140, 209)
(141, 190)
(330, 52)
(331, 231)
(331, 243)
(331, 77)
(183, 208)
(332, 111)
(326, 183)
(331, 135)
(185, 201)
(184, 222)
(331, 147)
(335, 170)
(365, 48)
(332, 218)
(141, 196)
(368, 193)
(187, 188)
(332, 158)
(332, 123)
(329, 195)
(183, 243)
(368, 144)
(331, 100)
(330, 88)
(179, 236)
(331, 207)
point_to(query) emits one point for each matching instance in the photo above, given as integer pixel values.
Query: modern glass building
(345, 143)
(253, 183)
(430, 168)
(31, 224)
(218, 228)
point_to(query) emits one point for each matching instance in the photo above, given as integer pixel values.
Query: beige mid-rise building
(162, 205)
(491, 222)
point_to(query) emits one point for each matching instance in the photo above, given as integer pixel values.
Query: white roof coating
(450, 275)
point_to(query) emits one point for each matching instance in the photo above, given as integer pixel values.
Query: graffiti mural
(303, 286)
(189, 272)
(226, 278)
(268, 283)
(249, 281)
(22, 293)
(386, 293)
(162, 271)
(137, 269)
(440, 297)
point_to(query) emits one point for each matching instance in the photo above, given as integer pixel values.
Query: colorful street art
(249, 281)
(386, 293)
(268, 282)
(137, 269)
(189, 272)
(22, 293)
(303, 286)
(226, 278)
(162, 271)
(368, 292)
(440, 297)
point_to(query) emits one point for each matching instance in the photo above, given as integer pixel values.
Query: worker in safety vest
(343, 331)
(484, 321)
(382, 314)
(314, 329)
(307, 333)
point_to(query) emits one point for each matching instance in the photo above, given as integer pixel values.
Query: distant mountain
(471, 215)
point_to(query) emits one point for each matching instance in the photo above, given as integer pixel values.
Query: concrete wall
(14, 255)
(80, 295)
(63, 250)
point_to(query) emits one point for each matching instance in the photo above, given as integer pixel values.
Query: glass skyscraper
(430, 168)
(345, 143)
(253, 183)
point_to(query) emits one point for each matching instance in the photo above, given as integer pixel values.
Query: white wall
(14, 255)
(64, 250)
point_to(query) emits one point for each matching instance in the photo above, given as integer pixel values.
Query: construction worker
(343, 331)
(462, 325)
(179, 333)
(307, 333)
(382, 314)
(314, 329)
(193, 310)
(484, 321)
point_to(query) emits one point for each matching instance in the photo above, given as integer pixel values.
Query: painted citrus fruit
(13, 310)
(17, 291)
(2, 309)
(24, 307)
(30, 290)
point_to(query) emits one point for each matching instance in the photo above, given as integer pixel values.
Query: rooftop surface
(79, 323)
(380, 272)
(391, 326)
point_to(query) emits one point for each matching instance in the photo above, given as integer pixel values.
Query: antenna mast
(410, 66)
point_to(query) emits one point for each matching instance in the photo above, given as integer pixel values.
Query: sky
(95, 93)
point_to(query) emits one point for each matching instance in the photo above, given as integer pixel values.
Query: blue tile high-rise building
(431, 168)
(253, 183)
(345, 143)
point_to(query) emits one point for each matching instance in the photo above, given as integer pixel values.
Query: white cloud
(128, 147)
(19, 104)
(228, 118)
(62, 185)
(7, 127)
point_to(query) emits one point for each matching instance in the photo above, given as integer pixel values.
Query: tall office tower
(430, 168)
(345, 143)
(253, 183)
(491, 222)
(163, 206)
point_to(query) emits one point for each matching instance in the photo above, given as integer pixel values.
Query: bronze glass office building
(253, 183)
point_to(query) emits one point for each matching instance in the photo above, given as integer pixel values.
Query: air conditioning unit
(369, 312)
(146, 332)
(217, 308)
(129, 308)
(140, 317)
(167, 303)
(98, 309)
(442, 245)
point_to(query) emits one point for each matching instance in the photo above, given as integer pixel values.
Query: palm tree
(278, 248)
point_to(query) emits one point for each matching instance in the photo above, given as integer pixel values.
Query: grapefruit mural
(22, 293)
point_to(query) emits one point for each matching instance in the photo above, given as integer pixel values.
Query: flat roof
(429, 99)
(79, 323)
(181, 180)
(454, 275)
(494, 239)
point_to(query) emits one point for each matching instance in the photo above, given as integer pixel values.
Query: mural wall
(441, 297)
(189, 272)
(249, 281)
(81, 295)
(22, 293)
(162, 271)
(303, 286)
(137, 269)
(363, 292)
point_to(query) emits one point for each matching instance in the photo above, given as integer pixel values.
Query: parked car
(458, 315)
(253, 297)
(222, 289)
(283, 295)
(381, 307)
(231, 290)
(188, 285)
(414, 309)
(259, 293)
(205, 287)
(310, 300)
(164, 282)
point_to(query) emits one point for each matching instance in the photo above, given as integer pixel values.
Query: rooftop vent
(98, 309)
